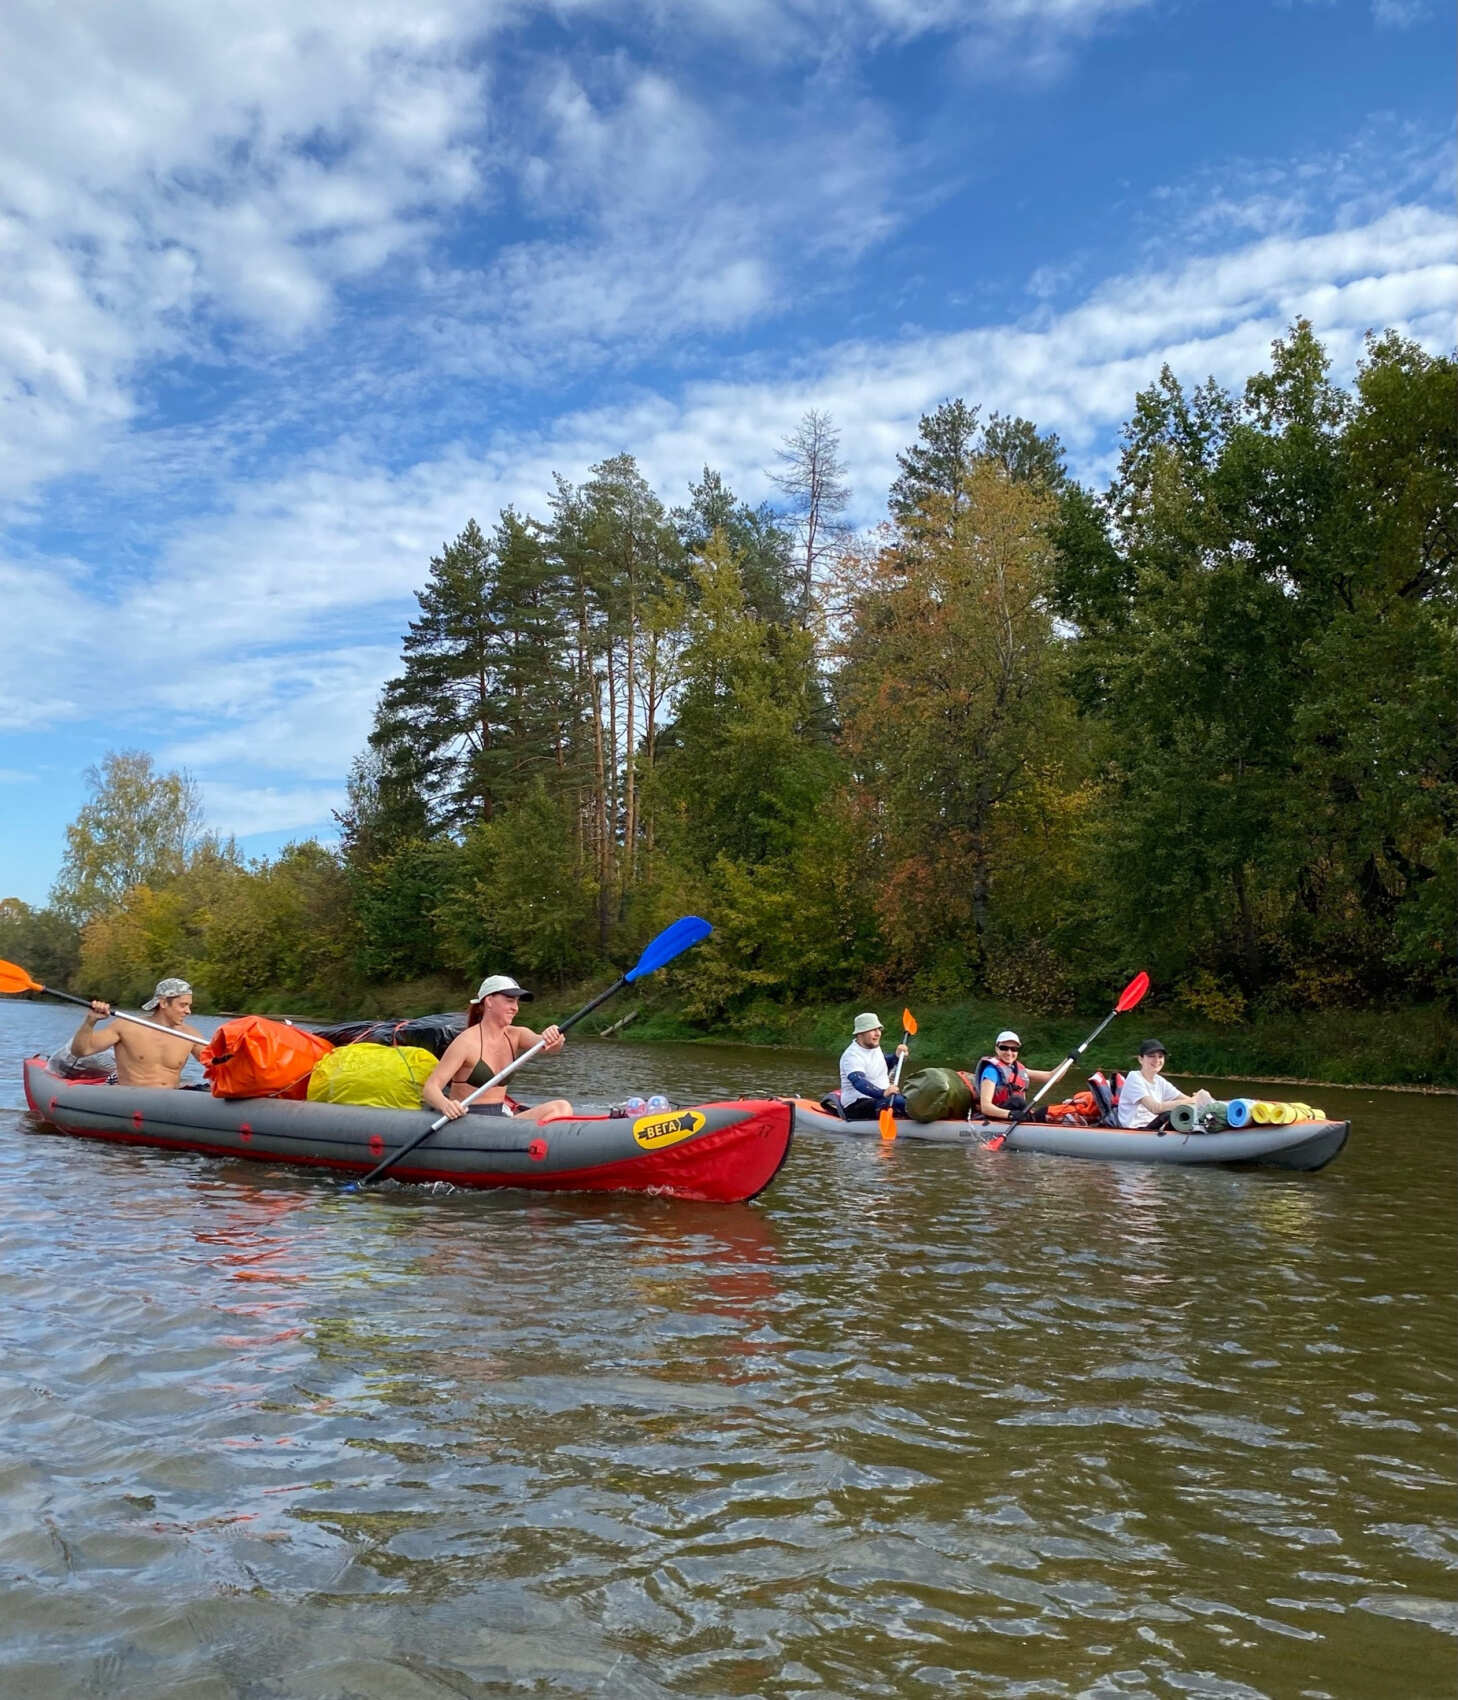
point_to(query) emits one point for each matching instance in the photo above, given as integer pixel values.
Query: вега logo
(654, 1132)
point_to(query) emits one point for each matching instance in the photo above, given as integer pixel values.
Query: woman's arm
(435, 1094)
(1158, 1104)
(551, 1039)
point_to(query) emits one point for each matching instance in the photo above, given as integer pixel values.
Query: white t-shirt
(858, 1059)
(1132, 1112)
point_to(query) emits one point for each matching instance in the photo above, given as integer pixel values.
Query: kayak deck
(719, 1153)
(1294, 1145)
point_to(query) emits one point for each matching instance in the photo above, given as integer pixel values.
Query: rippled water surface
(918, 1422)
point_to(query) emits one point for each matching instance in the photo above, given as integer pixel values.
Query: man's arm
(88, 1038)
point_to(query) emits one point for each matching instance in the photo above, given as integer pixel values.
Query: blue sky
(289, 291)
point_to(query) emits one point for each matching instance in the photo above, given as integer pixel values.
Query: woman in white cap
(1002, 1080)
(491, 1041)
(865, 1073)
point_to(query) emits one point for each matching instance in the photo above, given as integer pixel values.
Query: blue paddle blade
(671, 942)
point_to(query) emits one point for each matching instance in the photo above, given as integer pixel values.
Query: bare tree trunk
(814, 480)
(604, 842)
(630, 753)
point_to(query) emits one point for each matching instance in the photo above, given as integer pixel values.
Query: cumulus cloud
(263, 635)
(205, 184)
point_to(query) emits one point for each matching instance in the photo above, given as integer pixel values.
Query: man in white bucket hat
(491, 1041)
(865, 1073)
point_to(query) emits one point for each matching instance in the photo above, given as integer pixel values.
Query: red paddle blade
(14, 978)
(1132, 993)
(908, 1023)
(887, 1124)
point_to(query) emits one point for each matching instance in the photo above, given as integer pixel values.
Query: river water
(918, 1422)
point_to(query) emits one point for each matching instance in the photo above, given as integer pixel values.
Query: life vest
(1012, 1083)
(1106, 1096)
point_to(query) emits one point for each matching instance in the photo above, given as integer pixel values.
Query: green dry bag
(937, 1095)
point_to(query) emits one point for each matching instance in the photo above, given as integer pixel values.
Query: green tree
(1267, 631)
(137, 828)
(937, 463)
(464, 720)
(759, 543)
(1026, 455)
(282, 927)
(522, 903)
(746, 762)
(44, 942)
(949, 695)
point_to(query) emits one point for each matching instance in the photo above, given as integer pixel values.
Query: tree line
(1024, 738)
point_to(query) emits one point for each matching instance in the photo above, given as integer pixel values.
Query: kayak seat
(831, 1104)
(1106, 1096)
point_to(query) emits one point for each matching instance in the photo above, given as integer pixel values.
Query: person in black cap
(1146, 1097)
(491, 1041)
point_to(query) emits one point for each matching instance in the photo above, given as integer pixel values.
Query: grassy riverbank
(1416, 1046)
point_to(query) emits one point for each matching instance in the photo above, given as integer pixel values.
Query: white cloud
(1399, 14)
(261, 638)
(201, 183)
(244, 811)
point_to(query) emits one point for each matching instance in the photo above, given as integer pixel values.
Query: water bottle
(634, 1106)
(659, 1102)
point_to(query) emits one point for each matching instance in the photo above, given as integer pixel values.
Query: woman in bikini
(489, 1043)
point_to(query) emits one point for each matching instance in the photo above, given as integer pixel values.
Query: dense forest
(1019, 741)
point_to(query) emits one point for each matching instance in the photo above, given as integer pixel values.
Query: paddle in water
(886, 1121)
(1130, 995)
(671, 942)
(15, 979)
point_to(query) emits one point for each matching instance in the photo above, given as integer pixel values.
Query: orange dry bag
(1081, 1109)
(253, 1057)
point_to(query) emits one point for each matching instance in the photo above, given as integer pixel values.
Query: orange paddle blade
(887, 1123)
(908, 1022)
(15, 979)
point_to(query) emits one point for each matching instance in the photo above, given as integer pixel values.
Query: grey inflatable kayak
(721, 1153)
(1296, 1145)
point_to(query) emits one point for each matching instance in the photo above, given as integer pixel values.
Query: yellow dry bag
(388, 1077)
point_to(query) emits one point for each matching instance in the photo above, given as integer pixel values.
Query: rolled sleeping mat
(1217, 1116)
(1238, 1112)
(1263, 1112)
(1184, 1118)
(1286, 1114)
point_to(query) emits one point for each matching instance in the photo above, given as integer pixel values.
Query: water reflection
(923, 1421)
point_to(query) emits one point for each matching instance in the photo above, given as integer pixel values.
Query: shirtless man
(144, 1057)
(488, 1044)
